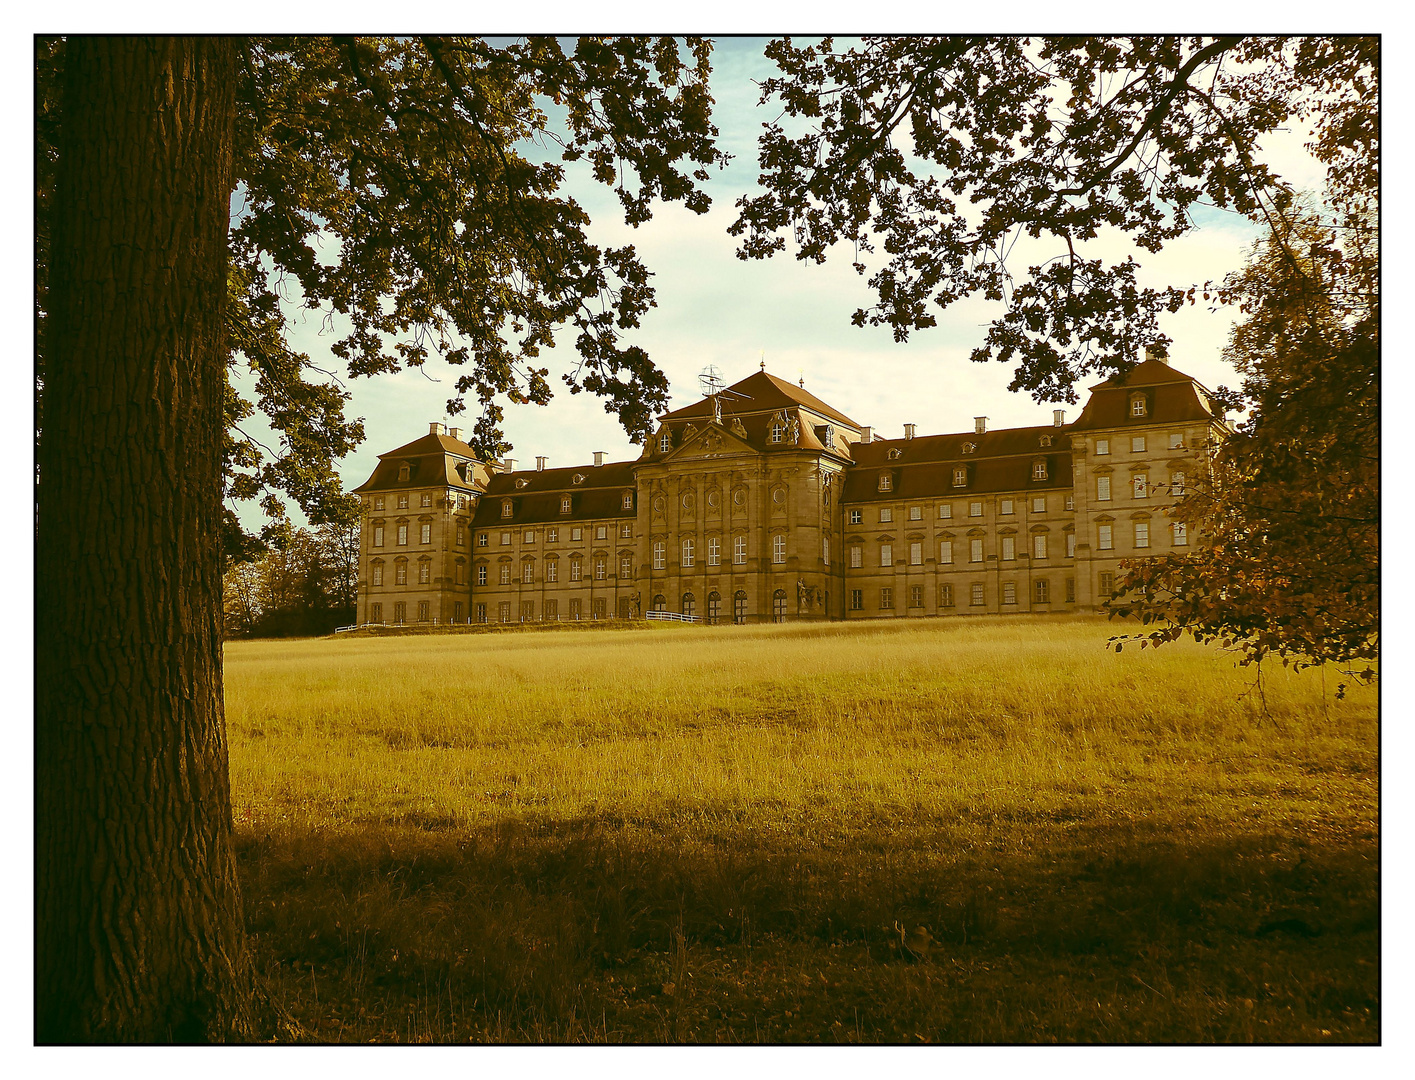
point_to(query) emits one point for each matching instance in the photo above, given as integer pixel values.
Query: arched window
(665, 441)
(778, 606)
(506, 508)
(690, 605)
(739, 606)
(689, 550)
(778, 430)
(714, 608)
(659, 603)
(565, 504)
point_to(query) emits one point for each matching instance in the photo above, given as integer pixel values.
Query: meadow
(968, 830)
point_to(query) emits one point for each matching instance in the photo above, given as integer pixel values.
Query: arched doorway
(714, 608)
(739, 606)
(690, 605)
(778, 606)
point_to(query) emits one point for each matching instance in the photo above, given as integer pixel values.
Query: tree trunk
(139, 935)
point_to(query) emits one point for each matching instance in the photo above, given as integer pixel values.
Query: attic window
(1046, 440)
(968, 447)
(404, 471)
(895, 453)
(778, 430)
(886, 482)
(1039, 469)
(665, 441)
(628, 501)
(1137, 405)
(521, 482)
(578, 478)
(565, 504)
(960, 476)
(506, 508)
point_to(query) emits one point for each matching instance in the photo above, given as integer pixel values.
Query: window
(1103, 541)
(552, 536)
(857, 555)
(689, 551)
(714, 551)
(714, 609)
(425, 534)
(506, 508)
(945, 511)
(1176, 483)
(1039, 504)
(550, 611)
(916, 513)
(626, 502)
(945, 551)
(1039, 546)
(1009, 592)
(461, 535)
(377, 573)
(739, 550)
(689, 605)
(424, 573)
(1137, 405)
(857, 599)
(1071, 590)
(855, 517)
(975, 509)
(375, 613)
(400, 613)
(528, 572)
(1180, 534)
(575, 608)
(1140, 483)
(626, 530)
(1070, 502)
(886, 515)
(403, 499)
(528, 610)
(1102, 446)
(658, 554)
(916, 554)
(665, 441)
(778, 429)
(1103, 489)
(1142, 534)
(378, 536)
(427, 498)
(400, 573)
(402, 535)
(886, 482)
(739, 606)
(945, 596)
(481, 574)
(960, 476)
(503, 611)
(1106, 584)
(598, 606)
(886, 598)
(626, 566)
(1041, 591)
(778, 606)
(480, 610)
(565, 504)
(1137, 444)
(378, 502)
(975, 550)
(505, 578)
(825, 550)
(975, 598)
(1176, 440)
(886, 554)
(778, 548)
(601, 532)
(1039, 469)
(916, 596)
(552, 570)
(423, 615)
(599, 567)
(1005, 506)
(576, 534)
(1009, 548)
(1071, 545)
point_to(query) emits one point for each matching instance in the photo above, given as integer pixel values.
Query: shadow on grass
(581, 931)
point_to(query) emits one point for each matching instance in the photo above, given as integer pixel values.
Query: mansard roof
(536, 494)
(1000, 461)
(434, 460)
(762, 392)
(1172, 398)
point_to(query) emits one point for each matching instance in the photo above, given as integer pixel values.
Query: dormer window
(404, 471)
(778, 431)
(565, 504)
(886, 482)
(628, 501)
(506, 508)
(960, 476)
(665, 441)
(968, 447)
(895, 454)
(521, 482)
(578, 478)
(1039, 469)
(1046, 440)
(1137, 405)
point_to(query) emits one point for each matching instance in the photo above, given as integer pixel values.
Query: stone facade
(764, 503)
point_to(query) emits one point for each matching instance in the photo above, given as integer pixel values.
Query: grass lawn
(734, 834)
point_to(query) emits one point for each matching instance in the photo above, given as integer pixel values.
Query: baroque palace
(762, 503)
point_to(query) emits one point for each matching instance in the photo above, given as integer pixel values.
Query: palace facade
(763, 503)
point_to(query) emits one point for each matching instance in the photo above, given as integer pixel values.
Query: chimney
(1157, 352)
(435, 428)
(866, 435)
(598, 458)
(909, 431)
(455, 432)
(540, 464)
(980, 424)
(1058, 417)
(508, 465)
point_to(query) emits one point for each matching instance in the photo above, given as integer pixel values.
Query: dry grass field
(733, 834)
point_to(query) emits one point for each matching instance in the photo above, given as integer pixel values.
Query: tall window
(1071, 545)
(626, 567)
(714, 609)
(627, 501)
(575, 608)
(1176, 483)
(461, 535)
(503, 611)
(425, 534)
(857, 599)
(714, 551)
(403, 499)
(778, 429)
(916, 596)
(975, 550)
(528, 573)
(975, 509)
(1071, 590)
(550, 611)
(599, 567)
(1009, 592)
(857, 554)
(400, 612)
(960, 476)
(505, 538)
(400, 573)
(945, 551)
(1009, 548)
(1103, 538)
(739, 606)
(1103, 489)
(1039, 546)
(1142, 534)
(375, 613)
(378, 573)
(825, 550)
(778, 548)
(481, 574)
(689, 551)
(1181, 533)
(552, 536)
(665, 441)
(479, 612)
(402, 535)
(1041, 591)
(916, 554)
(975, 597)
(1141, 484)
(505, 573)
(1137, 405)
(565, 504)
(945, 596)
(739, 550)
(1106, 584)
(886, 598)
(576, 534)
(575, 566)
(552, 570)
(506, 508)
(886, 514)
(659, 554)
(690, 605)
(528, 611)
(1070, 503)
(1039, 469)
(886, 554)
(423, 615)
(378, 536)
(424, 573)
(778, 606)
(886, 482)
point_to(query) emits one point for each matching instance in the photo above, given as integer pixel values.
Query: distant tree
(384, 180)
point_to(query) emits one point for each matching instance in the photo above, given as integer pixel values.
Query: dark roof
(1002, 461)
(435, 461)
(762, 392)
(598, 495)
(1173, 397)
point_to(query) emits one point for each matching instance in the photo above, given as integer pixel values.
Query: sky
(716, 309)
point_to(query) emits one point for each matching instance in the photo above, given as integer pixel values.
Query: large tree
(388, 183)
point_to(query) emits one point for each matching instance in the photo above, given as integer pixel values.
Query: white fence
(669, 616)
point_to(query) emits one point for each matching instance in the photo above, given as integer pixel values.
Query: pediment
(711, 441)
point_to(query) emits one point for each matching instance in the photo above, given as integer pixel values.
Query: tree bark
(139, 935)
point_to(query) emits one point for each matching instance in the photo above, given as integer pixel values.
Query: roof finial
(762, 365)
(802, 381)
